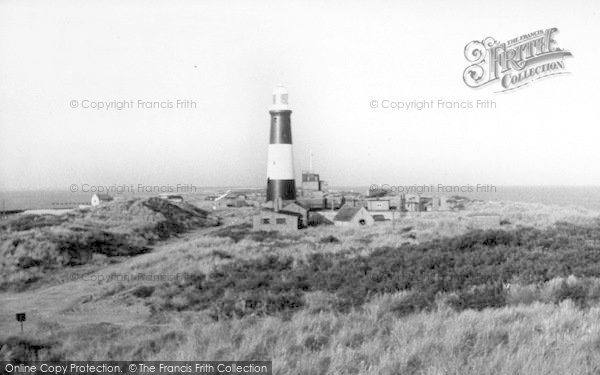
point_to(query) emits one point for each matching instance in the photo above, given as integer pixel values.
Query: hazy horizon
(240, 187)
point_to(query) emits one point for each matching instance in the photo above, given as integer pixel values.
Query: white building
(98, 199)
(378, 204)
(172, 197)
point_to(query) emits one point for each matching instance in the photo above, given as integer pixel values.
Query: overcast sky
(334, 57)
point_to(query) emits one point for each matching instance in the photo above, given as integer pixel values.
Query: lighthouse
(281, 185)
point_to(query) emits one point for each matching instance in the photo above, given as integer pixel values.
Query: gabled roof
(318, 218)
(283, 212)
(347, 213)
(294, 204)
(104, 197)
(269, 205)
(171, 196)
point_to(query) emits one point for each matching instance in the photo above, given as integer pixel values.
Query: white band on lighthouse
(281, 162)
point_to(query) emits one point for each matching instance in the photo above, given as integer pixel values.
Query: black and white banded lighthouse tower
(281, 186)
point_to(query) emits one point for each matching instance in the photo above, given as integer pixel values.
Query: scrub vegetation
(33, 245)
(430, 295)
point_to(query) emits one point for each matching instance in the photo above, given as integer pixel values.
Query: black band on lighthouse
(284, 189)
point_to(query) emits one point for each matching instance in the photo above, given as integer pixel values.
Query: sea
(582, 196)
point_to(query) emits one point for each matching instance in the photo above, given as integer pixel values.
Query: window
(280, 220)
(362, 222)
(266, 221)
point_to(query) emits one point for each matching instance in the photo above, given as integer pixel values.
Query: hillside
(32, 245)
(424, 297)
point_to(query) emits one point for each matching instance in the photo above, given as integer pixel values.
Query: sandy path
(62, 302)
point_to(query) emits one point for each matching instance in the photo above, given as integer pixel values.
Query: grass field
(434, 295)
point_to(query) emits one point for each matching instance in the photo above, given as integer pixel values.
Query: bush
(471, 268)
(404, 303)
(581, 291)
(315, 343)
(329, 239)
(319, 301)
(244, 231)
(522, 295)
(143, 291)
(261, 286)
(576, 292)
(22, 350)
(479, 298)
(221, 254)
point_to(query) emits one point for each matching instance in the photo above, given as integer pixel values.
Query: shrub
(522, 295)
(244, 231)
(320, 301)
(479, 298)
(576, 292)
(143, 291)
(470, 268)
(20, 349)
(221, 254)
(329, 239)
(405, 303)
(315, 343)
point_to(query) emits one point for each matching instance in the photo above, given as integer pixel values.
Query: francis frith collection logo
(514, 63)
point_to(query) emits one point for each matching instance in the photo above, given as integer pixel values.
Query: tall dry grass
(533, 335)
(536, 339)
(376, 339)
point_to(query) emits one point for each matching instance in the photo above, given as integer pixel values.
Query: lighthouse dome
(280, 98)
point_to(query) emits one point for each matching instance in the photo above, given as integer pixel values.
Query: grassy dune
(537, 339)
(431, 296)
(31, 246)
(534, 339)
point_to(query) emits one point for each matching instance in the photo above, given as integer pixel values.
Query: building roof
(172, 196)
(283, 212)
(317, 218)
(236, 195)
(295, 203)
(346, 213)
(104, 197)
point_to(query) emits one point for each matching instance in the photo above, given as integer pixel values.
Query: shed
(268, 219)
(298, 208)
(378, 204)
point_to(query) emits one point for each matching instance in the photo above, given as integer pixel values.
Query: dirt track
(67, 303)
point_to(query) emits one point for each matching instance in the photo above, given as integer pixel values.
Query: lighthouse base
(284, 189)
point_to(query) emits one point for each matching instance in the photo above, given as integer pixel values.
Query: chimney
(277, 204)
